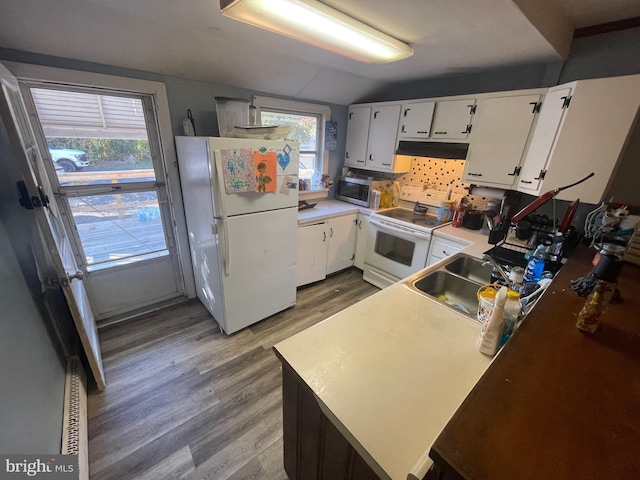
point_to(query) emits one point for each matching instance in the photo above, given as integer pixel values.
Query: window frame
(323, 112)
(157, 91)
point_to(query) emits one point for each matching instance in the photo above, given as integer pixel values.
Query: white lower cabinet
(312, 254)
(362, 229)
(325, 247)
(342, 242)
(442, 248)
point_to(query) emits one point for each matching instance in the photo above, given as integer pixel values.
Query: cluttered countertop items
(557, 402)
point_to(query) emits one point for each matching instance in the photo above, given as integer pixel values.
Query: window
(307, 121)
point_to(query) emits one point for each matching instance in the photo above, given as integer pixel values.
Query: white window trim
(323, 111)
(39, 73)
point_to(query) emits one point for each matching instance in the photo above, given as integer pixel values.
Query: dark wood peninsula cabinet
(313, 447)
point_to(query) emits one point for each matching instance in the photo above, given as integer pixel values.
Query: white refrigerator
(243, 241)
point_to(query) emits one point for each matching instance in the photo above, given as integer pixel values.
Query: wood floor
(185, 401)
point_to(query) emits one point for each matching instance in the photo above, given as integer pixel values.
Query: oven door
(393, 252)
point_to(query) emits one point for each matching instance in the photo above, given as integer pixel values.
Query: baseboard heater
(75, 440)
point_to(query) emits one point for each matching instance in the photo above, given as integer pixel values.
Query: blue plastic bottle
(535, 266)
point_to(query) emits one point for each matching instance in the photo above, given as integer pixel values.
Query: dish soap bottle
(535, 266)
(489, 338)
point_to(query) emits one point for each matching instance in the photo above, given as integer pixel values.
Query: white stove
(399, 238)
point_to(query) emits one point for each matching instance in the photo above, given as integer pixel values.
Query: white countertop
(326, 209)
(389, 372)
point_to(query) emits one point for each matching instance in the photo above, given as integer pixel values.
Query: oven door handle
(386, 226)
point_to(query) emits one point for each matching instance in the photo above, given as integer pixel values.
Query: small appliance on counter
(358, 190)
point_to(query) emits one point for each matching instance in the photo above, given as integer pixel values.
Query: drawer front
(442, 249)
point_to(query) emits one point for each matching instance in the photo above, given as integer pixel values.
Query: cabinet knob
(331, 232)
(474, 174)
(324, 236)
(526, 181)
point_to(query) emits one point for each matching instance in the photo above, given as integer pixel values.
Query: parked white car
(69, 159)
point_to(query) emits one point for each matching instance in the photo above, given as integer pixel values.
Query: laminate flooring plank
(185, 400)
(147, 417)
(221, 422)
(173, 467)
(271, 459)
(220, 464)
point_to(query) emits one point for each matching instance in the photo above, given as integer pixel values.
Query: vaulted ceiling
(191, 39)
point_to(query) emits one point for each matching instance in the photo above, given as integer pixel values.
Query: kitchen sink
(452, 290)
(455, 283)
(471, 268)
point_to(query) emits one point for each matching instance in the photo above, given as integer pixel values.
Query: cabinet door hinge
(516, 172)
(472, 109)
(350, 115)
(468, 130)
(541, 175)
(566, 102)
(406, 110)
(536, 106)
(375, 114)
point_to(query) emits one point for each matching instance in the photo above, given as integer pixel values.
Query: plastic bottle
(396, 194)
(535, 266)
(444, 212)
(489, 338)
(512, 309)
(375, 199)
(458, 215)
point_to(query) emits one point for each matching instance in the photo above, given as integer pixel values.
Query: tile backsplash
(438, 173)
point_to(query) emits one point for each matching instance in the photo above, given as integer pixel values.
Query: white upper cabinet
(534, 168)
(452, 119)
(415, 120)
(372, 138)
(357, 136)
(500, 132)
(590, 137)
(382, 137)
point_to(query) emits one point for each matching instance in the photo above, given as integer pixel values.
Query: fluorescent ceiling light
(317, 24)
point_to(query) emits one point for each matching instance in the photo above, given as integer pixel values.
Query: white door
(342, 242)
(452, 119)
(416, 120)
(259, 274)
(535, 164)
(312, 254)
(286, 158)
(357, 136)
(103, 157)
(37, 195)
(382, 137)
(498, 139)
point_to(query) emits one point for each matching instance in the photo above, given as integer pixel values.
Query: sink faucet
(488, 259)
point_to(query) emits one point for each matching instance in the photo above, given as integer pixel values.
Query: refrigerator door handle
(223, 242)
(217, 184)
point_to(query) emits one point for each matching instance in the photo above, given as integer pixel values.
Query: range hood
(455, 151)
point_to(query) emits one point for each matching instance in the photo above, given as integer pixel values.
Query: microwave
(358, 190)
